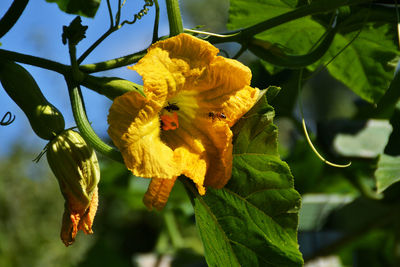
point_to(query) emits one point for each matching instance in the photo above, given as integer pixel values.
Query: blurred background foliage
(344, 215)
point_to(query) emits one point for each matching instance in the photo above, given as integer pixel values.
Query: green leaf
(364, 66)
(393, 145)
(253, 220)
(295, 37)
(249, 12)
(316, 208)
(388, 106)
(86, 8)
(368, 143)
(388, 172)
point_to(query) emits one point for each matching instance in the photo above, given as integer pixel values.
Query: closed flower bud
(77, 170)
(111, 87)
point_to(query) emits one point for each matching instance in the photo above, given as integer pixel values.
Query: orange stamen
(170, 122)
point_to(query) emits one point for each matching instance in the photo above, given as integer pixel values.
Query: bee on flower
(216, 115)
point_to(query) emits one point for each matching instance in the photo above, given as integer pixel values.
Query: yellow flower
(182, 126)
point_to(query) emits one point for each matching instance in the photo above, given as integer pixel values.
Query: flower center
(169, 122)
(186, 104)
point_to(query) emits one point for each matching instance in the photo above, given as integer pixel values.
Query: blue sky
(38, 33)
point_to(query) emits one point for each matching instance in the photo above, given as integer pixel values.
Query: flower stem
(35, 61)
(156, 22)
(12, 15)
(172, 229)
(84, 127)
(110, 14)
(77, 75)
(174, 17)
(78, 110)
(112, 63)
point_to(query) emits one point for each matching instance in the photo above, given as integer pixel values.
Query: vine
(7, 119)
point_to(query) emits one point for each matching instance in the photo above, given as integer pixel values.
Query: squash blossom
(182, 126)
(77, 170)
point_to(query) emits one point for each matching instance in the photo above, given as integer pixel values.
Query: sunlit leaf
(86, 8)
(295, 37)
(315, 208)
(368, 143)
(364, 66)
(244, 13)
(388, 172)
(253, 220)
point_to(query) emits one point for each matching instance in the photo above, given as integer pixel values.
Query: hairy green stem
(172, 229)
(77, 75)
(64, 69)
(67, 70)
(84, 127)
(78, 110)
(113, 63)
(174, 17)
(12, 15)
(314, 8)
(156, 22)
(35, 61)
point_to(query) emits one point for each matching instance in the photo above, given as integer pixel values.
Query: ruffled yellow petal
(204, 149)
(171, 65)
(220, 168)
(193, 165)
(227, 91)
(134, 127)
(158, 192)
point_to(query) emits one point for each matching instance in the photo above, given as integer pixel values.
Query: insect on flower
(216, 115)
(168, 122)
(171, 107)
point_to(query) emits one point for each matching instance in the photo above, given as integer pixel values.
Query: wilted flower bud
(77, 170)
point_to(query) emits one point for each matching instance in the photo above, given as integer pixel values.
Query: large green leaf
(253, 220)
(387, 173)
(363, 66)
(316, 208)
(243, 13)
(368, 143)
(393, 145)
(86, 8)
(295, 37)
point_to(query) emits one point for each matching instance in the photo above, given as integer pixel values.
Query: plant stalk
(12, 15)
(174, 17)
(35, 61)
